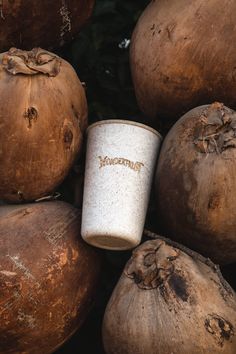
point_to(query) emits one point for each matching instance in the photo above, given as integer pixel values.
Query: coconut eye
(31, 114)
(68, 137)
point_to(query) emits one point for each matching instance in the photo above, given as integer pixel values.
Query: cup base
(112, 243)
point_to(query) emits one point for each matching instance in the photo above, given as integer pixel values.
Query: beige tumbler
(120, 162)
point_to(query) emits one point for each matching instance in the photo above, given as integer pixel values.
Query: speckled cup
(120, 162)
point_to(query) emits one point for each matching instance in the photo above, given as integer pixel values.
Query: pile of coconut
(171, 297)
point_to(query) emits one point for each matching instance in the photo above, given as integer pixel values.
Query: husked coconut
(49, 24)
(183, 55)
(48, 276)
(43, 115)
(170, 300)
(196, 182)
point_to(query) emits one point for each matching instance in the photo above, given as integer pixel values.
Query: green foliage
(100, 56)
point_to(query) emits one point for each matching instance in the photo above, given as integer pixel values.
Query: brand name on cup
(107, 161)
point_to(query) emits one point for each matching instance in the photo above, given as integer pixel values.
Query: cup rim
(127, 122)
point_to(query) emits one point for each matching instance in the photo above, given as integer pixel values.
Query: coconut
(30, 23)
(43, 115)
(196, 182)
(183, 56)
(48, 276)
(170, 300)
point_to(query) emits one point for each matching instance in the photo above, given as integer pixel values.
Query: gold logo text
(106, 161)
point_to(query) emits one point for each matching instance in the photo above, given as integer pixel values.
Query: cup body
(120, 163)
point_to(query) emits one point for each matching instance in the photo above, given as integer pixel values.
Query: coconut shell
(43, 115)
(48, 276)
(183, 56)
(49, 24)
(196, 182)
(170, 300)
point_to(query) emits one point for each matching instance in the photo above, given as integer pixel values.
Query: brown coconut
(183, 56)
(43, 114)
(196, 182)
(30, 23)
(48, 277)
(170, 300)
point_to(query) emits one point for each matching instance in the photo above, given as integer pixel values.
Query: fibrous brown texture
(170, 300)
(30, 23)
(43, 114)
(182, 56)
(48, 276)
(196, 182)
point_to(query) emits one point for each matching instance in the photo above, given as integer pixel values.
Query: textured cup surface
(120, 163)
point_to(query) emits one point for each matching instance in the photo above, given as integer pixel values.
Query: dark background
(100, 55)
